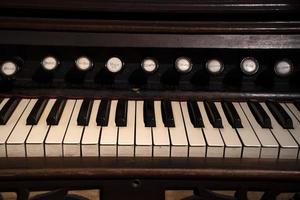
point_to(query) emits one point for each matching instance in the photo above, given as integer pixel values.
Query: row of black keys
(149, 115)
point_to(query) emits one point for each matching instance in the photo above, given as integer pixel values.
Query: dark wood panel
(194, 168)
(245, 41)
(171, 94)
(134, 26)
(191, 6)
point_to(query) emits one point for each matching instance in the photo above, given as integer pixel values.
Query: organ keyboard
(149, 95)
(159, 128)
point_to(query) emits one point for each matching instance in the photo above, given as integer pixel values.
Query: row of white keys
(38, 133)
(143, 137)
(288, 146)
(215, 144)
(160, 133)
(126, 134)
(292, 111)
(56, 133)
(195, 135)
(269, 144)
(179, 142)
(73, 133)
(91, 135)
(2, 146)
(109, 133)
(233, 146)
(251, 144)
(15, 144)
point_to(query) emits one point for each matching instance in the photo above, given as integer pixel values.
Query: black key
(8, 109)
(56, 112)
(213, 114)
(121, 113)
(1, 100)
(103, 113)
(232, 115)
(167, 113)
(280, 115)
(85, 112)
(36, 112)
(260, 114)
(297, 104)
(194, 113)
(149, 115)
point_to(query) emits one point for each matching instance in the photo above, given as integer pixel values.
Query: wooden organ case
(137, 97)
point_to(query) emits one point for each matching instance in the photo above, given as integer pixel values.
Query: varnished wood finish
(154, 168)
(250, 41)
(135, 26)
(154, 6)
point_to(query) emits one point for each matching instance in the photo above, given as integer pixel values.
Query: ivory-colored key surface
(143, 134)
(91, 132)
(252, 146)
(38, 132)
(233, 146)
(289, 147)
(57, 132)
(195, 135)
(215, 144)
(109, 133)
(295, 132)
(9, 126)
(21, 130)
(127, 133)
(160, 134)
(177, 133)
(270, 147)
(74, 131)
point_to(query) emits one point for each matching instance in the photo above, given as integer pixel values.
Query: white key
(38, 132)
(231, 139)
(126, 134)
(289, 148)
(91, 133)
(143, 134)
(294, 110)
(21, 130)
(160, 134)
(252, 146)
(290, 109)
(178, 133)
(269, 145)
(3, 102)
(109, 133)
(8, 127)
(56, 133)
(212, 135)
(194, 135)
(2, 146)
(74, 131)
(73, 134)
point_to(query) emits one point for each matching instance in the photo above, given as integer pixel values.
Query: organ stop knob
(214, 66)
(249, 66)
(183, 65)
(149, 65)
(9, 68)
(283, 68)
(49, 63)
(83, 63)
(114, 64)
